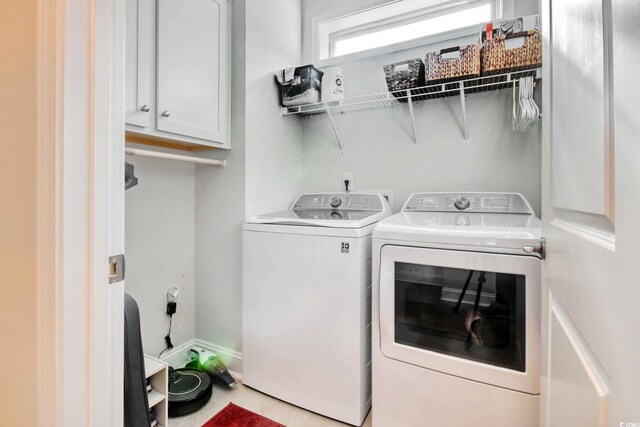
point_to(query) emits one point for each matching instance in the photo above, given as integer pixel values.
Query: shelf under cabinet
(140, 137)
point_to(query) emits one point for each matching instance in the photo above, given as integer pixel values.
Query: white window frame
(329, 28)
(429, 12)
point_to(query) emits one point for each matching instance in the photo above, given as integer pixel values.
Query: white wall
(160, 248)
(220, 206)
(379, 150)
(274, 149)
(378, 143)
(264, 163)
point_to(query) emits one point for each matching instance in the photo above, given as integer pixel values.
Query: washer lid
(480, 225)
(335, 210)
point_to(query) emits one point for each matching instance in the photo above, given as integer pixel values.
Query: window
(401, 21)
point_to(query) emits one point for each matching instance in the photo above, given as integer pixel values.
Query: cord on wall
(171, 309)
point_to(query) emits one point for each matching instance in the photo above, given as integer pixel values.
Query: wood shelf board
(157, 141)
(155, 397)
(152, 366)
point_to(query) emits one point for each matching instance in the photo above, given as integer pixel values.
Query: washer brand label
(345, 248)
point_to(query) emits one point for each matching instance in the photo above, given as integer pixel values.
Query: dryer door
(469, 314)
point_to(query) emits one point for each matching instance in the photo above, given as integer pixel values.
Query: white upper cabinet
(186, 70)
(140, 44)
(191, 70)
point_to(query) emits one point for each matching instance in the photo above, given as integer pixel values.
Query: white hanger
(525, 110)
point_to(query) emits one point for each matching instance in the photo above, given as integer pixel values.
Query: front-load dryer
(456, 312)
(307, 303)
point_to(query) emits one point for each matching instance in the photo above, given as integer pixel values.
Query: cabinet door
(192, 93)
(139, 46)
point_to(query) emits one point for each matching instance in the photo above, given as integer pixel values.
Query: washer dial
(461, 203)
(335, 201)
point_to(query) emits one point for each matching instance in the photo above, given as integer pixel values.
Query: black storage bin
(404, 75)
(303, 87)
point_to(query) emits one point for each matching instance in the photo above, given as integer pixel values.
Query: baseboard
(179, 355)
(231, 358)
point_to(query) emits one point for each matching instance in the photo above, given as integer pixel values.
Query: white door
(140, 42)
(591, 200)
(432, 315)
(192, 68)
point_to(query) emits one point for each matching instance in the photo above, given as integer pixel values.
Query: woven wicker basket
(440, 69)
(404, 75)
(497, 58)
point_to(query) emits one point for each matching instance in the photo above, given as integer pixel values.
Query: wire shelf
(402, 97)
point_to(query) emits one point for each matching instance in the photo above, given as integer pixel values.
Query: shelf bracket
(335, 131)
(465, 131)
(413, 119)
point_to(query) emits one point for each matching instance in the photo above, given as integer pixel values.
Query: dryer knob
(335, 201)
(461, 203)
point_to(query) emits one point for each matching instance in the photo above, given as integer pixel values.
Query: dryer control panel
(512, 203)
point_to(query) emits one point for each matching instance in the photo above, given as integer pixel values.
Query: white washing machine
(307, 303)
(456, 312)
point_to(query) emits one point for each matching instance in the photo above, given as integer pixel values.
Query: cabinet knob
(145, 108)
(165, 114)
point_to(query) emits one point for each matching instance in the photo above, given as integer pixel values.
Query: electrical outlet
(172, 294)
(347, 176)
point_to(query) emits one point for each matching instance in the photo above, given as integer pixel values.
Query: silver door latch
(538, 248)
(116, 268)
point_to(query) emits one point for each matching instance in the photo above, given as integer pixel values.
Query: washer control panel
(468, 202)
(342, 201)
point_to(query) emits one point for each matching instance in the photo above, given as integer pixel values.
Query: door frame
(79, 219)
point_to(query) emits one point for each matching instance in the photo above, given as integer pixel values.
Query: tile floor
(277, 410)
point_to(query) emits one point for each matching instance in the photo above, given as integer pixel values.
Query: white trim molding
(362, 17)
(598, 237)
(179, 355)
(231, 358)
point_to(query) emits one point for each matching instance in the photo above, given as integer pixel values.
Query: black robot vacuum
(189, 390)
